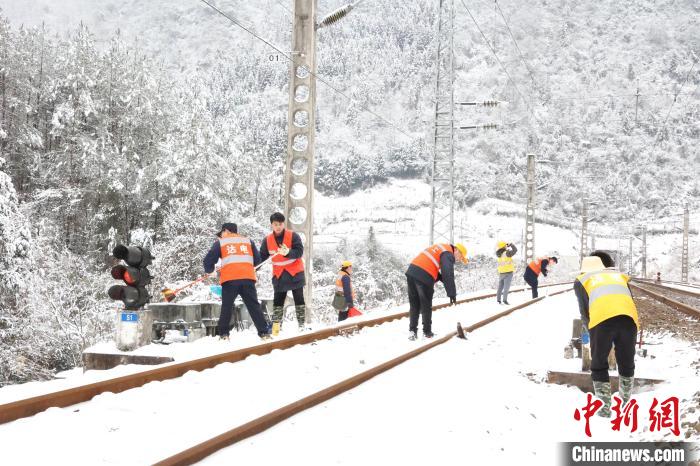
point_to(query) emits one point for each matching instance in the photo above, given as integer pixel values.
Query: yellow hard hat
(346, 264)
(463, 250)
(501, 244)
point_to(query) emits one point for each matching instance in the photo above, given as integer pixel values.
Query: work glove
(453, 300)
(283, 250)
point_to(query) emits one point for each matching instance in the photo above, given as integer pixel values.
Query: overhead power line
(317, 76)
(515, 86)
(532, 77)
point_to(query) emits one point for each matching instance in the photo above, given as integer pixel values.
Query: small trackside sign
(130, 317)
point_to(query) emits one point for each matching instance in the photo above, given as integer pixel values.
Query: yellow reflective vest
(505, 264)
(608, 296)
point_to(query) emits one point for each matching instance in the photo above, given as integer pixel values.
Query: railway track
(64, 398)
(685, 301)
(262, 423)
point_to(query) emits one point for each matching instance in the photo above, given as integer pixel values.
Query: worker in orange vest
(344, 289)
(533, 270)
(239, 256)
(286, 251)
(433, 264)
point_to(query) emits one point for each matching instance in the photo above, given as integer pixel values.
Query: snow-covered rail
(684, 295)
(68, 397)
(262, 423)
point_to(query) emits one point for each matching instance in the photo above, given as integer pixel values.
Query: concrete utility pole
(630, 264)
(299, 171)
(644, 251)
(684, 259)
(530, 210)
(442, 176)
(584, 230)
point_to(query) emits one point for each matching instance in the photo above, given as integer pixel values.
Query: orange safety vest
(282, 263)
(339, 285)
(237, 261)
(536, 265)
(429, 259)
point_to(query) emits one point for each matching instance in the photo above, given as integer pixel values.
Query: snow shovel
(169, 294)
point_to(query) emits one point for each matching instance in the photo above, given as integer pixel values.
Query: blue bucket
(215, 290)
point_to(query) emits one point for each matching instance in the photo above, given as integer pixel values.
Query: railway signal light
(134, 274)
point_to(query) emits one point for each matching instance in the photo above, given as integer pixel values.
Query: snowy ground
(460, 401)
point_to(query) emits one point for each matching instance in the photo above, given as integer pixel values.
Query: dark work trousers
(620, 330)
(531, 279)
(249, 294)
(420, 298)
(297, 294)
(342, 315)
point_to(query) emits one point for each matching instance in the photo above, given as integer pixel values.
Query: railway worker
(504, 255)
(609, 315)
(433, 264)
(344, 299)
(238, 256)
(533, 270)
(286, 250)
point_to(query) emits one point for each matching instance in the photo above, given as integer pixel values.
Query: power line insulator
(336, 16)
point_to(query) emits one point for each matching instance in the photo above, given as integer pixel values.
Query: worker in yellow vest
(506, 267)
(610, 317)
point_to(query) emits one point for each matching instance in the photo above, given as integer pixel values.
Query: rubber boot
(277, 316)
(301, 315)
(626, 384)
(602, 391)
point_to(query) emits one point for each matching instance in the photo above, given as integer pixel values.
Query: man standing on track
(609, 315)
(533, 270)
(238, 256)
(433, 264)
(504, 254)
(286, 249)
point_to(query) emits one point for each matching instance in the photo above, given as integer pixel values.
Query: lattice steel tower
(442, 176)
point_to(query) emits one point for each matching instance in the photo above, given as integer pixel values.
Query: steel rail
(260, 424)
(693, 294)
(60, 399)
(684, 308)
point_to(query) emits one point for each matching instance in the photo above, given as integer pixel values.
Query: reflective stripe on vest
(608, 296)
(282, 263)
(505, 264)
(236, 259)
(429, 259)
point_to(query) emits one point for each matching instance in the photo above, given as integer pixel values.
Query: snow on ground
(476, 402)
(460, 401)
(157, 419)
